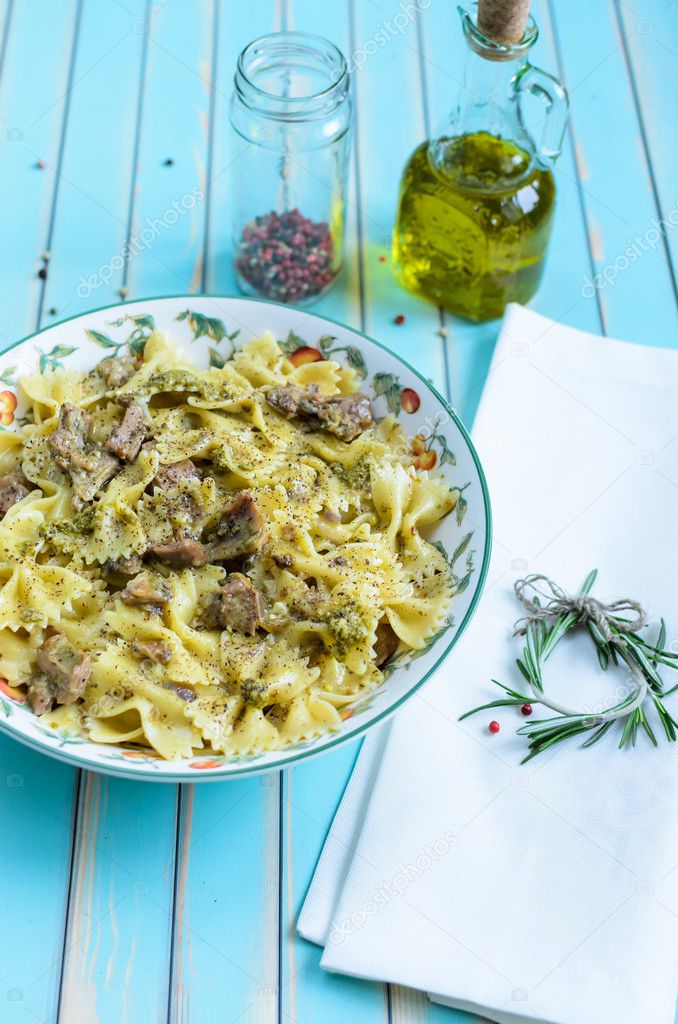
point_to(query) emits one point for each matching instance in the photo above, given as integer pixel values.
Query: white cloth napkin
(550, 891)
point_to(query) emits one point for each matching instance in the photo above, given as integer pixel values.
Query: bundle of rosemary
(616, 639)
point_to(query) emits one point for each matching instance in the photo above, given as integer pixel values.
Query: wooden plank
(621, 207)
(227, 911)
(6, 13)
(405, 1005)
(119, 921)
(36, 796)
(91, 220)
(32, 101)
(390, 124)
(117, 940)
(648, 33)
(343, 301)
(235, 31)
(311, 795)
(570, 250)
(171, 192)
(311, 792)
(225, 943)
(36, 799)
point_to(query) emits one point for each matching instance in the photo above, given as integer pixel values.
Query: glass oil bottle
(476, 203)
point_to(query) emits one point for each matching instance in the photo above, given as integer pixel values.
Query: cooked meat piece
(169, 476)
(181, 553)
(345, 416)
(117, 371)
(156, 650)
(286, 399)
(239, 531)
(209, 612)
(239, 605)
(66, 668)
(89, 473)
(386, 645)
(184, 692)
(126, 439)
(40, 694)
(88, 466)
(144, 589)
(70, 437)
(13, 487)
(123, 566)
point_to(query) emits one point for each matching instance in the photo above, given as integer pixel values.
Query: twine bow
(586, 608)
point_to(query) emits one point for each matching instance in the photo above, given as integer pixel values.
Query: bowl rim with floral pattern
(210, 326)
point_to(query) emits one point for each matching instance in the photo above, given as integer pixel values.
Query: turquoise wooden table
(127, 903)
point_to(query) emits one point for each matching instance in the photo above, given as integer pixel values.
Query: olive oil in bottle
(476, 204)
(472, 236)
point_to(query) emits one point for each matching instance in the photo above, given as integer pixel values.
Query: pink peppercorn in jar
(292, 116)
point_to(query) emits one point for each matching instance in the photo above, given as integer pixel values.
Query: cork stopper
(503, 21)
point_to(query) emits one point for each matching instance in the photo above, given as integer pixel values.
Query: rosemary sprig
(613, 640)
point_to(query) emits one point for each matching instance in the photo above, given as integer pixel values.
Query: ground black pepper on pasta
(314, 557)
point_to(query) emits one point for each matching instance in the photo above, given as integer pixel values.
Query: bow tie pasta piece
(241, 450)
(190, 589)
(391, 494)
(272, 684)
(179, 435)
(181, 662)
(21, 528)
(430, 500)
(326, 375)
(47, 392)
(110, 528)
(39, 467)
(261, 362)
(159, 724)
(232, 727)
(214, 713)
(11, 447)
(123, 703)
(424, 613)
(18, 651)
(335, 452)
(307, 717)
(339, 686)
(34, 596)
(350, 626)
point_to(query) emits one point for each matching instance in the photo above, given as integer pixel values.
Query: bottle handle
(554, 96)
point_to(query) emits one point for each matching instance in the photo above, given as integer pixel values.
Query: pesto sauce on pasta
(178, 644)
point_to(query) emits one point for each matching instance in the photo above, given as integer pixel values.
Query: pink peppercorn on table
(140, 903)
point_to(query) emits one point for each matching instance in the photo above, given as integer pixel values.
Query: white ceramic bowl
(81, 342)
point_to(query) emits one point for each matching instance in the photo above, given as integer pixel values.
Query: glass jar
(292, 115)
(476, 203)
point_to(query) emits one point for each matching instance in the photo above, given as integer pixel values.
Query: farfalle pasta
(216, 560)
